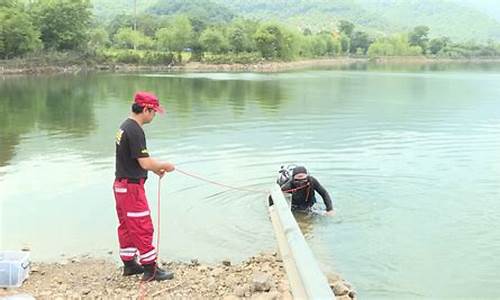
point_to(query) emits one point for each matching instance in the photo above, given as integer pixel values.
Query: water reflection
(57, 104)
(416, 66)
(65, 105)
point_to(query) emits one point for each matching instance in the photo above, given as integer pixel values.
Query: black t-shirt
(130, 145)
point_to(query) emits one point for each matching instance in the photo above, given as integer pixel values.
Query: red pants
(135, 232)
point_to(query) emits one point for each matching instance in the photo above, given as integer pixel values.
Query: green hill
(445, 18)
(107, 9)
(205, 10)
(459, 19)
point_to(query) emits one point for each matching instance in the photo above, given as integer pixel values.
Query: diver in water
(303, 188)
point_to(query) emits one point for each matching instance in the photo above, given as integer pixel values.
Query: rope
(298, 189)
(142, 288)
(199, 177)
(221, 184)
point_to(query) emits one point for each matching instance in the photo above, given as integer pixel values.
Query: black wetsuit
(304, 198)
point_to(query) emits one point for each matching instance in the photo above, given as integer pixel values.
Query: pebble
(240, 291)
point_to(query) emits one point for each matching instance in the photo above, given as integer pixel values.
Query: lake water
(410, 156)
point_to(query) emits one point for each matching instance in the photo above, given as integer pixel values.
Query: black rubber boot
(132, 268)
(153, 272)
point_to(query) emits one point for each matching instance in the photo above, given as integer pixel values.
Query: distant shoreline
(25, 68)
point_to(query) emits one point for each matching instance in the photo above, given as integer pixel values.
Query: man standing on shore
(135, 232)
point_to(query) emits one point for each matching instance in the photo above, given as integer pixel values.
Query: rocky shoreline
(25, 68)
(259, 277)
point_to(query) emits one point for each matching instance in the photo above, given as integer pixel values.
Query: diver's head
(300, 175)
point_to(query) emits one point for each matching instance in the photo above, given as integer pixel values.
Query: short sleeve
(137, 143)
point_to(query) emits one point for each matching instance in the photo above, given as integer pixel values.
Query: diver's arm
(324, 194)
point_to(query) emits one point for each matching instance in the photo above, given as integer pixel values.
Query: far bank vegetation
(67, 31)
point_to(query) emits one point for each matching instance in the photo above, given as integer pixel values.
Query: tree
(9, 4)
(118, 22)
(18, 35)
(98, 38)
(269, 40)
(198, 24)
(164, 37)
(435, 45)
(177, 36)
(128, 38)
(292, 39)
(63, 24)
(238, 40)
(321, 44)
(333, 46)
(396, 45)
(213, 40)
(346, 27)
(239, 36)
(360, 42)
(345, 43)
(418, 37)
(148, 24)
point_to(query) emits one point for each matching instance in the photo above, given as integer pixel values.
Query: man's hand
(168, 167)
(160, 173)
(330, 213)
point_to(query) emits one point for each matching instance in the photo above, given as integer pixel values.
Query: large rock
(339, 289)
(195, 262)
(261, 282)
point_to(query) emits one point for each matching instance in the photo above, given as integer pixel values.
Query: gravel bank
(259, 277)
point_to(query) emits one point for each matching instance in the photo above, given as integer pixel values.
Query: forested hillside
(207, 11)
(460, 20)
(445, 18)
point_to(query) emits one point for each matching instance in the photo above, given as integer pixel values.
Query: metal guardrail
(306, 279)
